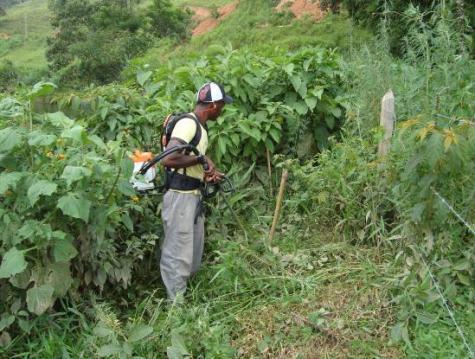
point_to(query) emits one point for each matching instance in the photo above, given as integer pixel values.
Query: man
(182, 217)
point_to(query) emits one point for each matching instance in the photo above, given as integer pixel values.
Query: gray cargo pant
(184, 240)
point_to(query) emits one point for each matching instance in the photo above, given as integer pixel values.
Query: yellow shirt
(185, 130)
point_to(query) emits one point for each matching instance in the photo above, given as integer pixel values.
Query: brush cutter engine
(145, 171)
(146, 181)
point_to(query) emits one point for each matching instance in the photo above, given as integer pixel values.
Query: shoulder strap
(170, 123)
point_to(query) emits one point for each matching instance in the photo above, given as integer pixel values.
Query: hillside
(261, 25)
(333, 235)
(23, 33)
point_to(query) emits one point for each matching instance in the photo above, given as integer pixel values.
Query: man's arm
(180, 160)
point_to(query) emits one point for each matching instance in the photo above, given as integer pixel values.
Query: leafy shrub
(278, 102)
(8, 76)
(395, 16)
(66, 213)
(95, 39)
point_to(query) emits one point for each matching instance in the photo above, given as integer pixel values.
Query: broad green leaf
(9, 139)
(275, 134)
(39, 298)
(330, 121)
(64, 250)
(126, 166)
(102, 332)
(13, 262)
(59, 277)
(9, 180)
(321, 135)
(104, 112)
(108, 350)
(289, 69)
(399, 333)
(75, 103)
(41, 89)
(311, 102)
(28, 228)
(140, 332)
(462, 265)
(426, 318)
(77, 133)
(178, 348)
(38, 138)
(10, 108)
(143, 77)
(300, 107)
(252, 132)
(151, 89)
(75, 206)
(75, 173)
(6, 320)
(222, 145)
(98, 142)
(296, 82)
(318, 92)
(126, 188)
(59, 119)
(21, 280)
(127, 222)
(25, 325)
(40, 188)
(261, 116)
(336, 111)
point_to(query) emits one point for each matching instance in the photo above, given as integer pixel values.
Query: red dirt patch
(205, 19)
(303, 7)
(200, 13)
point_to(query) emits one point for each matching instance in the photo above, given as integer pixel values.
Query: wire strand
(446, 305)
(460, 218)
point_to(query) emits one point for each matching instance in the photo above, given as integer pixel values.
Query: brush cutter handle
(169, 151)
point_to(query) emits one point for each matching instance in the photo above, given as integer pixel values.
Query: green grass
(26, 51)
(296, 299)
(265, 31)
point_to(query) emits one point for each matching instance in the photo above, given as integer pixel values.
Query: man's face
(217, 110)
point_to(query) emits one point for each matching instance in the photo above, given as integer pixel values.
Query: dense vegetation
(94, 39)
(396, 15)
(348, 274)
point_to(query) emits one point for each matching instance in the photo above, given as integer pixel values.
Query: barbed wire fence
(436, 283)
(387, 122)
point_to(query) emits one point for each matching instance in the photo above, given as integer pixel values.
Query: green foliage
(353, 226)
(272, 94)
(8, 76)
(65, 209)
(167, 20)
(263, 31)
(24, 45)
(95, 39)
(395, 16)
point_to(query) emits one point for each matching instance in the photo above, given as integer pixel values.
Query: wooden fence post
(278, 206)
(387, 119)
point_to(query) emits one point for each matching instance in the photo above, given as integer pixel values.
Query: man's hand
(212, 175)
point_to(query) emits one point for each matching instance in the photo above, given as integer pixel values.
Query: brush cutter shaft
(169, 151)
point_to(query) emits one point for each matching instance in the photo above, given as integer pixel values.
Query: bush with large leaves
(66, 211)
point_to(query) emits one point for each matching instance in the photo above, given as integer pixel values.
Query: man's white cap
(212, 92)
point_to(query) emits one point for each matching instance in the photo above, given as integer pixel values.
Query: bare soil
(205, 20)
(301, 8)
